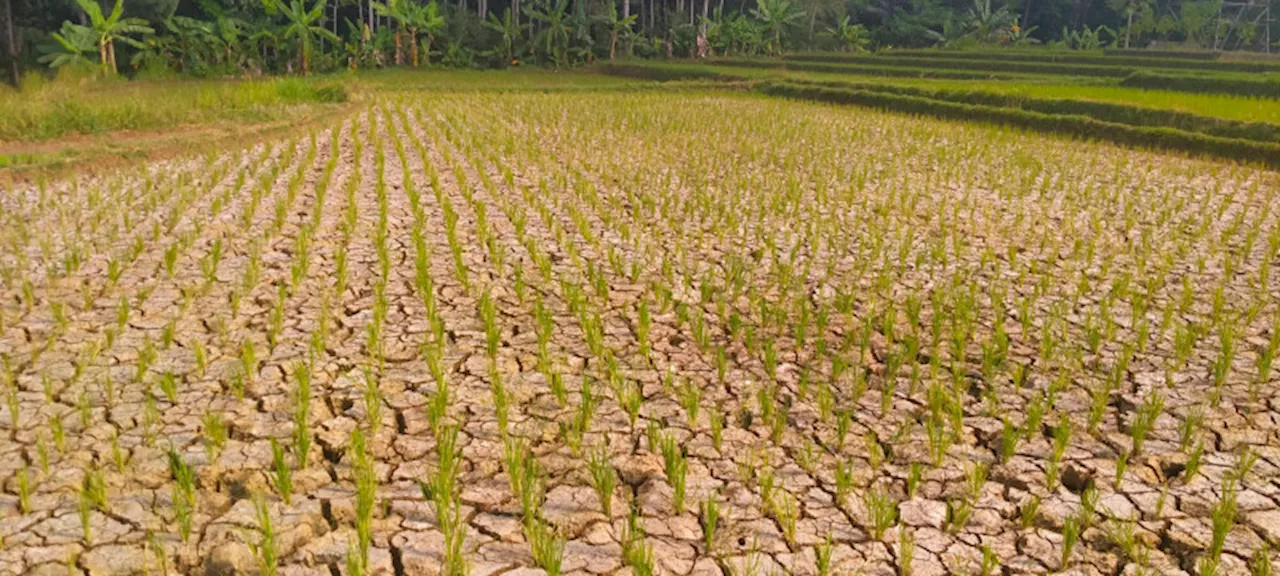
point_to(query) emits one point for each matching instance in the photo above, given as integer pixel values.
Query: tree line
(244, 37)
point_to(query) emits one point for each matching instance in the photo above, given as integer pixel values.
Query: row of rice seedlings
(991, 358)
(167, 381)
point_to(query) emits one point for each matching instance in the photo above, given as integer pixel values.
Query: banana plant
(111, 28)
(71, 46)
(401, 11)
(428, 20)
(775, 17)
(553, 33)
(226, 32)
(303, 26)
(509, 31)
(617, 26)
(852, 37)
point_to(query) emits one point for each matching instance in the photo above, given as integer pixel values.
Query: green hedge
(886, 70)
(1105, 111)
(1237, 85)
(667, 72)
(1072, 125)
(972, 64)
(1181, 54)
(1045, 56)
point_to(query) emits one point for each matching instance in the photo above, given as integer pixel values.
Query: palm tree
(554, 32)
(509, 32)
(112, 28)
(775, 16)
(402, 12)
(617, 25)
(303, 26)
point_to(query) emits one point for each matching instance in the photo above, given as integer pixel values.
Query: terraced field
(685, 333)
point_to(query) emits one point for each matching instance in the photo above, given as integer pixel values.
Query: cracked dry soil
(860, 343)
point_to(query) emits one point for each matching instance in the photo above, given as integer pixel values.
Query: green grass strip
(1106, 111)
(1072, 125)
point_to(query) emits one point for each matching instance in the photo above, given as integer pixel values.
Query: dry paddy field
(633, 334)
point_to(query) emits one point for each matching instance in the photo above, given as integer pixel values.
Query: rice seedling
(266, 549)
(1223, 518)
(709, 517)
(906, 552)
(990, 562)
(691, 400)
(25, 486)
(184, 493)
(1260, 562)
(636, 553)
(282, 472)
(715, 421)
(547, 546)
(213, 430)
(959, 510)
(786, 511)
(525, 475)
(882, 511)
(843, 481)
(366, 484)
(59, 434)
(604, 478)
(1071, 528)
(822, 556)
(302, 413)
(1145, 419)
(676, 466)
(372, 401)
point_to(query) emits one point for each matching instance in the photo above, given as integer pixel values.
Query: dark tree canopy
(236, 37)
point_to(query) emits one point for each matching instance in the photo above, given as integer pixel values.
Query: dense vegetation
(236, 37)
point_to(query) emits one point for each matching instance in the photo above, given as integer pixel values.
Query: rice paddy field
(611, 331)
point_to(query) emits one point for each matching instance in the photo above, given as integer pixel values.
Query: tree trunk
(111, 55)
(399, 46)
(413, 46)
(12, 42)
(102, 55)
(813, 20)
(702, 30)
(1128, 30)
(613, 43)
(302, 59)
